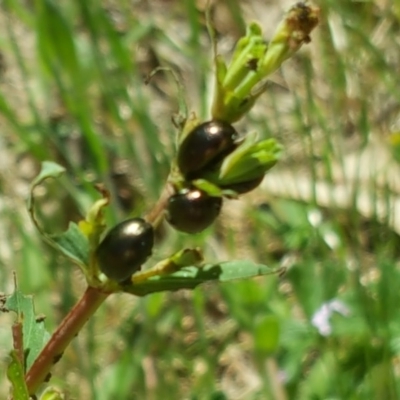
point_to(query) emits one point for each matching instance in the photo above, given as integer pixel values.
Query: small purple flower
(322, 316)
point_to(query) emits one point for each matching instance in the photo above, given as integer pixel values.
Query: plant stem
(156, 214)
(66, 331)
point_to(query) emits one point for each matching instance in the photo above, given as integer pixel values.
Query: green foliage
(34, 334)
(15, 374)
(183, 270)
(190, 277)
(72, 90)
(71, 243)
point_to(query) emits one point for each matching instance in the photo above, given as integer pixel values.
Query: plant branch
(156, 214)
(66, 331)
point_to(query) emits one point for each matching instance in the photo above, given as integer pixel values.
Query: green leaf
(249, 50)
(250, 160)
(16, 375)
(174, 263)
(266, 334)
(210, 188)
(394, 142)
(218, 395)
(72, 243)
(52, 394)
(49, 170)
(34, 333)
(253, 61)
(55, 40)
(190, 277)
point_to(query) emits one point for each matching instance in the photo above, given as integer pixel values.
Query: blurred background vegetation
(72, 90)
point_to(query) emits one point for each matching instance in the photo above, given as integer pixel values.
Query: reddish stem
(91, 300)
(66, 331)
(156, 214)
(18, 341)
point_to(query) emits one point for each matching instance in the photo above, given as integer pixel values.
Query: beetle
(125, 248)
(205, 146)
(244, 187)
(192, 210)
